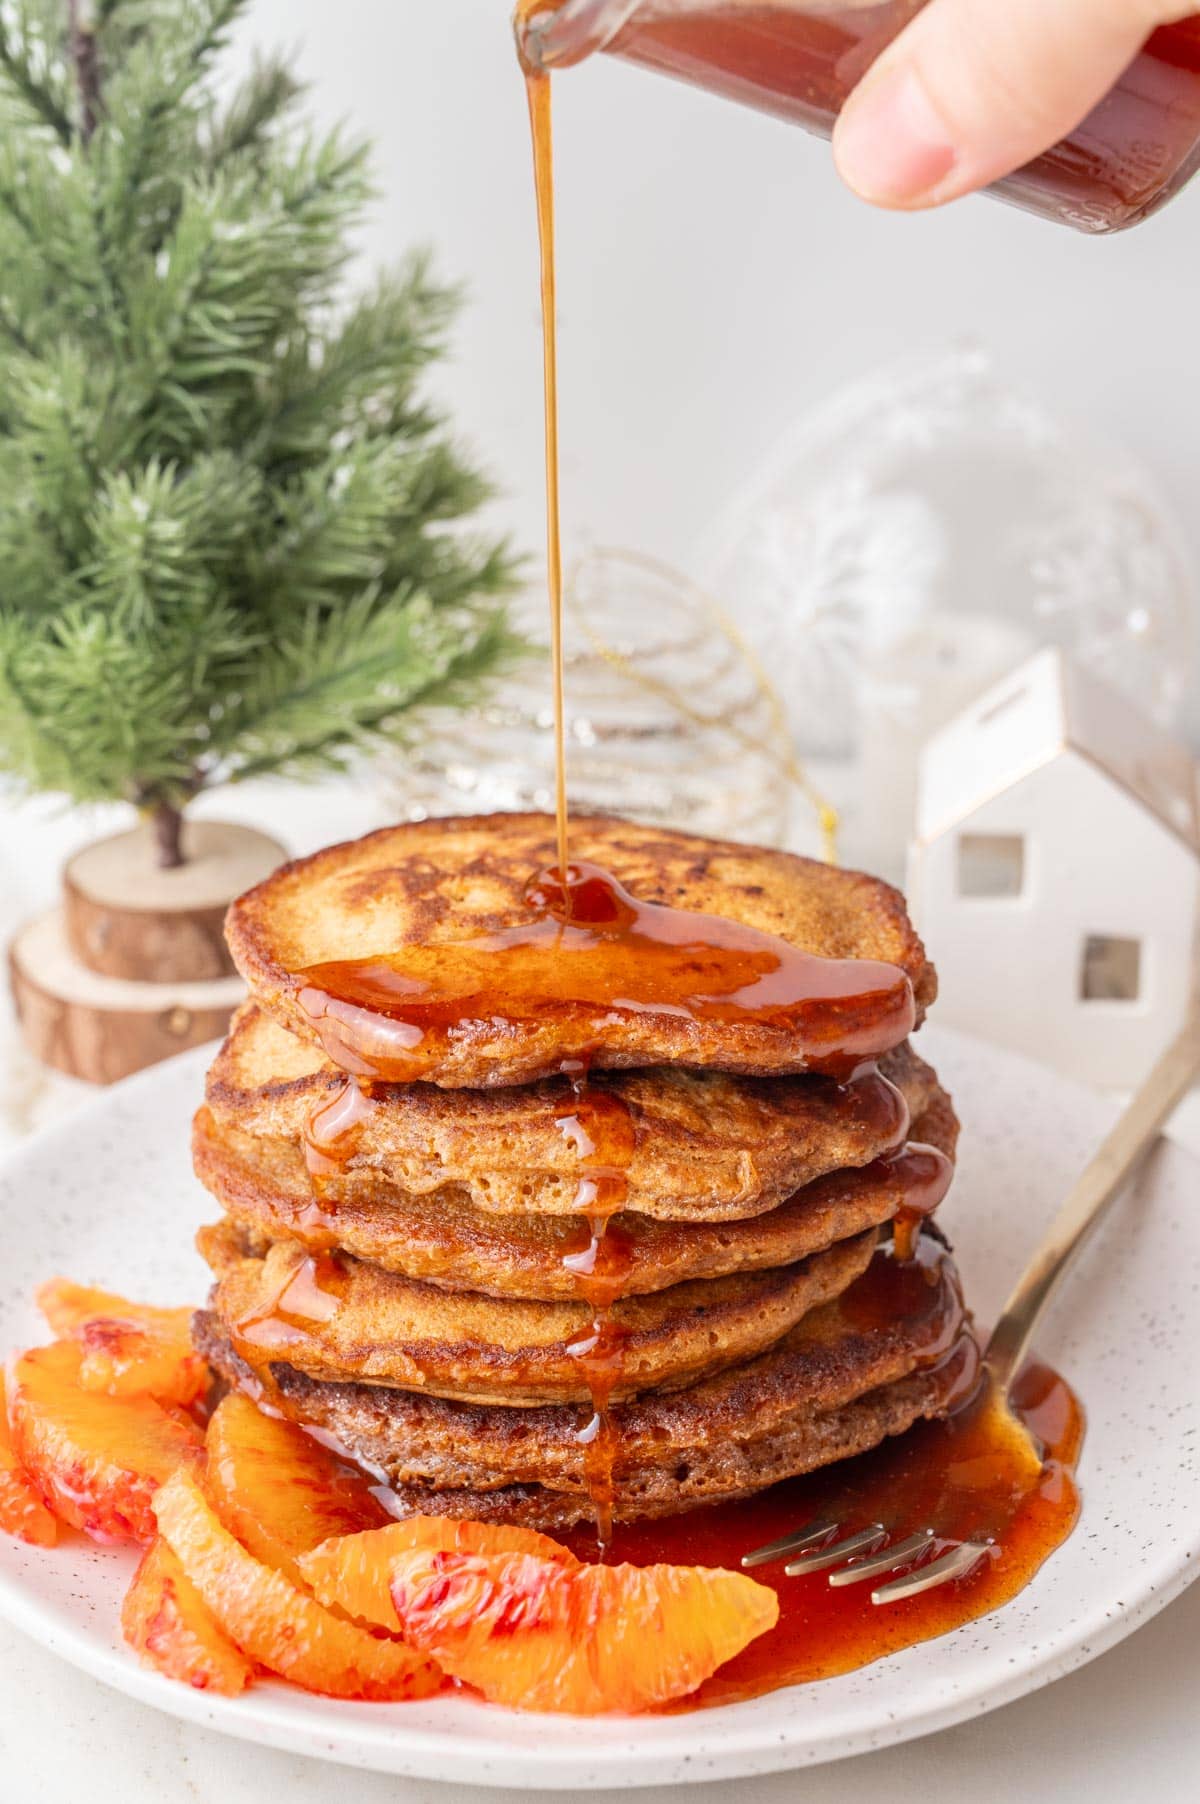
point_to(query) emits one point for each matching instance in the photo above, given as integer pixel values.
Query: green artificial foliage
(232, 533)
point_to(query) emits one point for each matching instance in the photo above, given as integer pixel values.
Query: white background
(715, 279)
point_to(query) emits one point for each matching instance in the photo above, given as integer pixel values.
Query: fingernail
(890, 146)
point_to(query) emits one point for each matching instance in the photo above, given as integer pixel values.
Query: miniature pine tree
(231, 528)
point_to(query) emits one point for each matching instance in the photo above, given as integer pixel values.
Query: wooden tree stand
(134, 966)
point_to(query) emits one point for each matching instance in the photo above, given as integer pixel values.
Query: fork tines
(896, 1553)
(955, 1563)
(868, 1553)
(807, 1536)
(834, 1552)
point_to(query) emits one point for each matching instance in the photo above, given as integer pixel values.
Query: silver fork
(873, 1552)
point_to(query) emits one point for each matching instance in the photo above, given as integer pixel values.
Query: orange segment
(537, 1635)
(67, 1306)
(22, 1512)
(279, 1490)
(277, 1625)
(354, 1572)
(129, 1362)
(130, 1349)
(166, 1621)
(97, 1460)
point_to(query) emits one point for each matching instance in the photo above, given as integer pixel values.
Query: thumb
(972, 89)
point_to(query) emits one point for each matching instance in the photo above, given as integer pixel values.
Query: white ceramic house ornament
(1056, 872)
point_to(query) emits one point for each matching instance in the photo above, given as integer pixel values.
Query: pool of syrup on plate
(961, 1476)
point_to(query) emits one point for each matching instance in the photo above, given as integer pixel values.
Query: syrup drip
(882, 1105)
(923, 1293)
(925, 1174)
(334, 1129)
(589, 945)
(922, 1173)
(599, 1128)
(311, 1292)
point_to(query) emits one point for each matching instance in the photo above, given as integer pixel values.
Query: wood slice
(104, 1028)
(127, 917)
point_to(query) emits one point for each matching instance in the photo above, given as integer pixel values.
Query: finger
(972, 89)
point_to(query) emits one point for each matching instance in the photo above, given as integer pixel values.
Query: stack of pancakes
(399, 1264)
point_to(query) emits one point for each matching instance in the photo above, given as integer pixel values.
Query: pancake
(707, 1146)
(264, 1186)
(893, 1348)
(821, 1439)
(336, 1318)
(411, 893)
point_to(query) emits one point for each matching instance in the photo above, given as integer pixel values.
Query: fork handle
(1126, 1145)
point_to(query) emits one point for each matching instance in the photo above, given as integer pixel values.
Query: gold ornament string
(776, 747)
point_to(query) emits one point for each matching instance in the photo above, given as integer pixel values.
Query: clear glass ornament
(670, 718)
(918, 537)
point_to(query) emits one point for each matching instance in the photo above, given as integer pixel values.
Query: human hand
(972, 89)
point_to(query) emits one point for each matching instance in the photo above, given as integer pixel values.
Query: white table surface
(1125, 1727)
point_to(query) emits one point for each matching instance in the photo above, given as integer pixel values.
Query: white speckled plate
(110, 1198)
